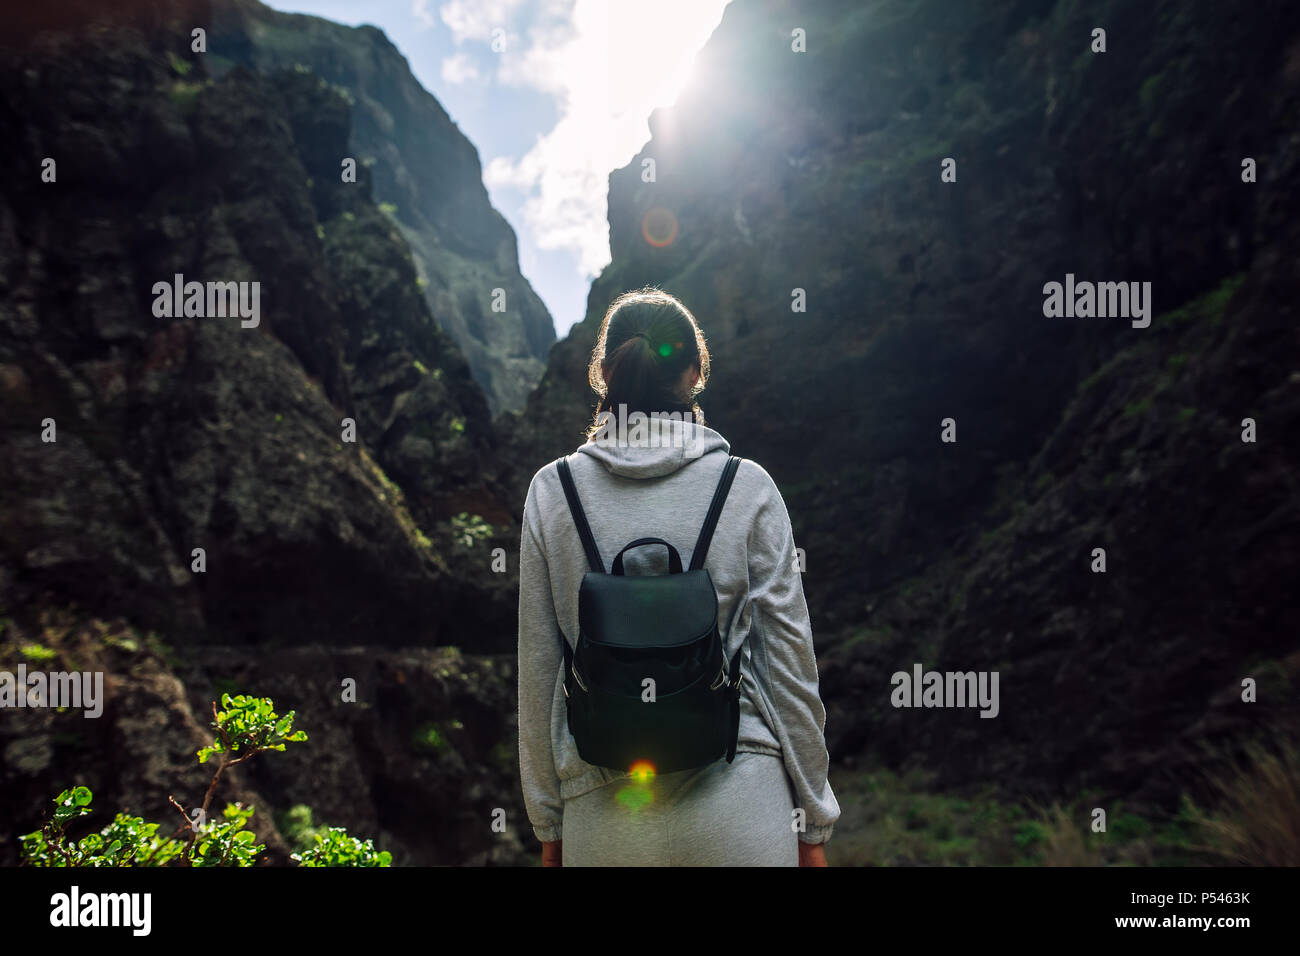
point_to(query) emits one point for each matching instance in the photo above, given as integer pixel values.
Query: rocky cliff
(428, 178)
(818, 176)
(313, 481)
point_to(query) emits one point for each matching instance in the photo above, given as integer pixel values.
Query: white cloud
(608, 65)
(504, 172)
(459, 68)
(420, 10)
(476, 19)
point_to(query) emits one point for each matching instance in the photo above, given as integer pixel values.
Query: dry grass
(1065, 839)
(1256, 820)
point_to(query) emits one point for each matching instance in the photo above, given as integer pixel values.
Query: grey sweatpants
(736, 814)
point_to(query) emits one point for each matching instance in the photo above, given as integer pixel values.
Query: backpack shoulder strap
(579, 516)
(697, 562)
(715, 510)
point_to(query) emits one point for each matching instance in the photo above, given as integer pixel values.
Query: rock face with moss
(425, 174)
(853, 300)
(320, 478)
(175, 434)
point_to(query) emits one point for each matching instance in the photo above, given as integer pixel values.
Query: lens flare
(659, 227)
(638, 793)
(632, 798)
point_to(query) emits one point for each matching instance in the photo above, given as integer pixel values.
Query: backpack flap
(668, 610)
(662, 627)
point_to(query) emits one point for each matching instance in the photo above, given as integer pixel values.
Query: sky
(555, 94)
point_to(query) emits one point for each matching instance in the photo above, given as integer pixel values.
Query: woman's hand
(553, 855)
(812, 854)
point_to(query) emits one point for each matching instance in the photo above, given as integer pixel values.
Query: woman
(773, 805)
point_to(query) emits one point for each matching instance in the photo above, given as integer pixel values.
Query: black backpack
(662, 628)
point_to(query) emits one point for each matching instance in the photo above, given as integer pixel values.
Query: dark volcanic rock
(184, 433)
(421, 760)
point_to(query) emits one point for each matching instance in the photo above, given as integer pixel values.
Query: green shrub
(298, 827)
(467, 529)
(245, 726)
(336, 848)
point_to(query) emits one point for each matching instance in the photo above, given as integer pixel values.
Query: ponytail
(647, 340)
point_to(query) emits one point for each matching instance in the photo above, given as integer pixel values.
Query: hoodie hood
(641, 447)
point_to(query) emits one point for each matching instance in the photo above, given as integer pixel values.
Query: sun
(652, 50)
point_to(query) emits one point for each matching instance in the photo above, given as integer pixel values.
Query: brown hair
(647, 339)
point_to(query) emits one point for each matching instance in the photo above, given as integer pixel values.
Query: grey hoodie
(632, 488)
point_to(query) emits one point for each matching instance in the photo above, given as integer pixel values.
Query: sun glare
(608, 64)
(649, 49)
(655, 51)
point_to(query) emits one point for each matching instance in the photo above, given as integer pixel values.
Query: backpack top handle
(674, 559)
